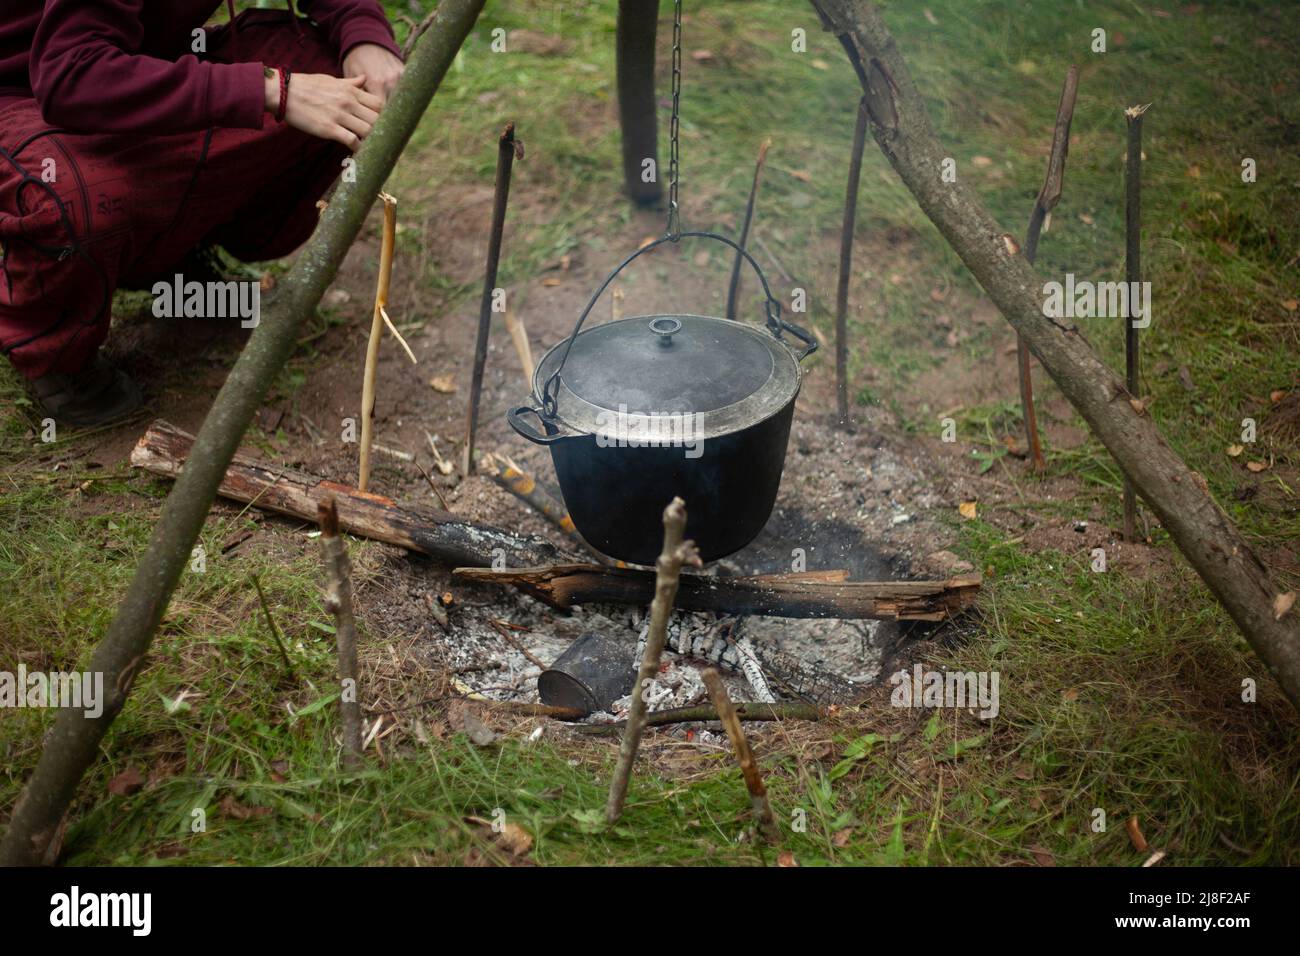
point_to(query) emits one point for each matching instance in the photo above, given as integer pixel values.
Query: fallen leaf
(981, 161)
(1154, 858)
(1135, 835)
(786, 858)
(480, 734)
(1290, 304)
(820, 65)
(934, 21)
(126, 783)
(1086, 219)
(446, 384)
(802, 175)
(516, 839)
(1257, 466)
(1071, 695)
(551, 282)
(232, 808)
(1276, 395)
(938, 295)
(1137, 405)
(536, 42)
(1282, 604)
(1009, 242)
(967, 509)
(511, 837)
(1234, 450)
(701, 56)
(1193, 172)
(268, 282)
(1042, 856)
(841, 838)
(648, 240)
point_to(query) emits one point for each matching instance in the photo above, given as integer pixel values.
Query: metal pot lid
(650, 371)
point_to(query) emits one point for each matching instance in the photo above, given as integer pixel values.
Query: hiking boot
(97, 396)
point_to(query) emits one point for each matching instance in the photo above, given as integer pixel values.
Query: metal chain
(674, 156)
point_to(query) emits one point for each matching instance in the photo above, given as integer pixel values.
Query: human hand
(327, 106)
(377, 65)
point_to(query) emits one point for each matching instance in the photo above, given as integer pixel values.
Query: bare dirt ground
(872, 499)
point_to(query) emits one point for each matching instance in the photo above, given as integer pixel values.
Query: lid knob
(664, 327)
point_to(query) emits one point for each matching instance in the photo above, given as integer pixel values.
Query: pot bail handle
(775, 324)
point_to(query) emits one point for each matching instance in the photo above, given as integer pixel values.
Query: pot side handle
(515, 417)
(803, 335)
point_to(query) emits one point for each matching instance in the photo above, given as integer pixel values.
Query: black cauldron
(653, 407)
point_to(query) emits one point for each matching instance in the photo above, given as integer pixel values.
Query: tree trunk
(74, 740)
(1179, 496)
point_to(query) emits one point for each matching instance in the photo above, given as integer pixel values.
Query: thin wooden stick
(376, 334)
(517, 644)
(383, 312)
(507, 149)
(782, 710)
(733, 289)
(1047, 198)
(1133, 275)
(275, 631)
(519, 336)
(433, 487)
(523, 486)
(846, 264)
(744, 755)
(338, 599)
(506, 473)
(416, 31)
(668, 568)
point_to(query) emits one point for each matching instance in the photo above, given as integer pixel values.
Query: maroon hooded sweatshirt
(128, 66)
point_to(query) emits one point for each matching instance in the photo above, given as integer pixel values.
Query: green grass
(1119, 692)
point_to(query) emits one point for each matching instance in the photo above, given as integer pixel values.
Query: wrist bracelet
(284, 96)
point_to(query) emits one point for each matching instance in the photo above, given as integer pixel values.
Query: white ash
(770, 649)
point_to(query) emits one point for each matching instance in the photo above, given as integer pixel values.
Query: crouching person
(131, 135)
